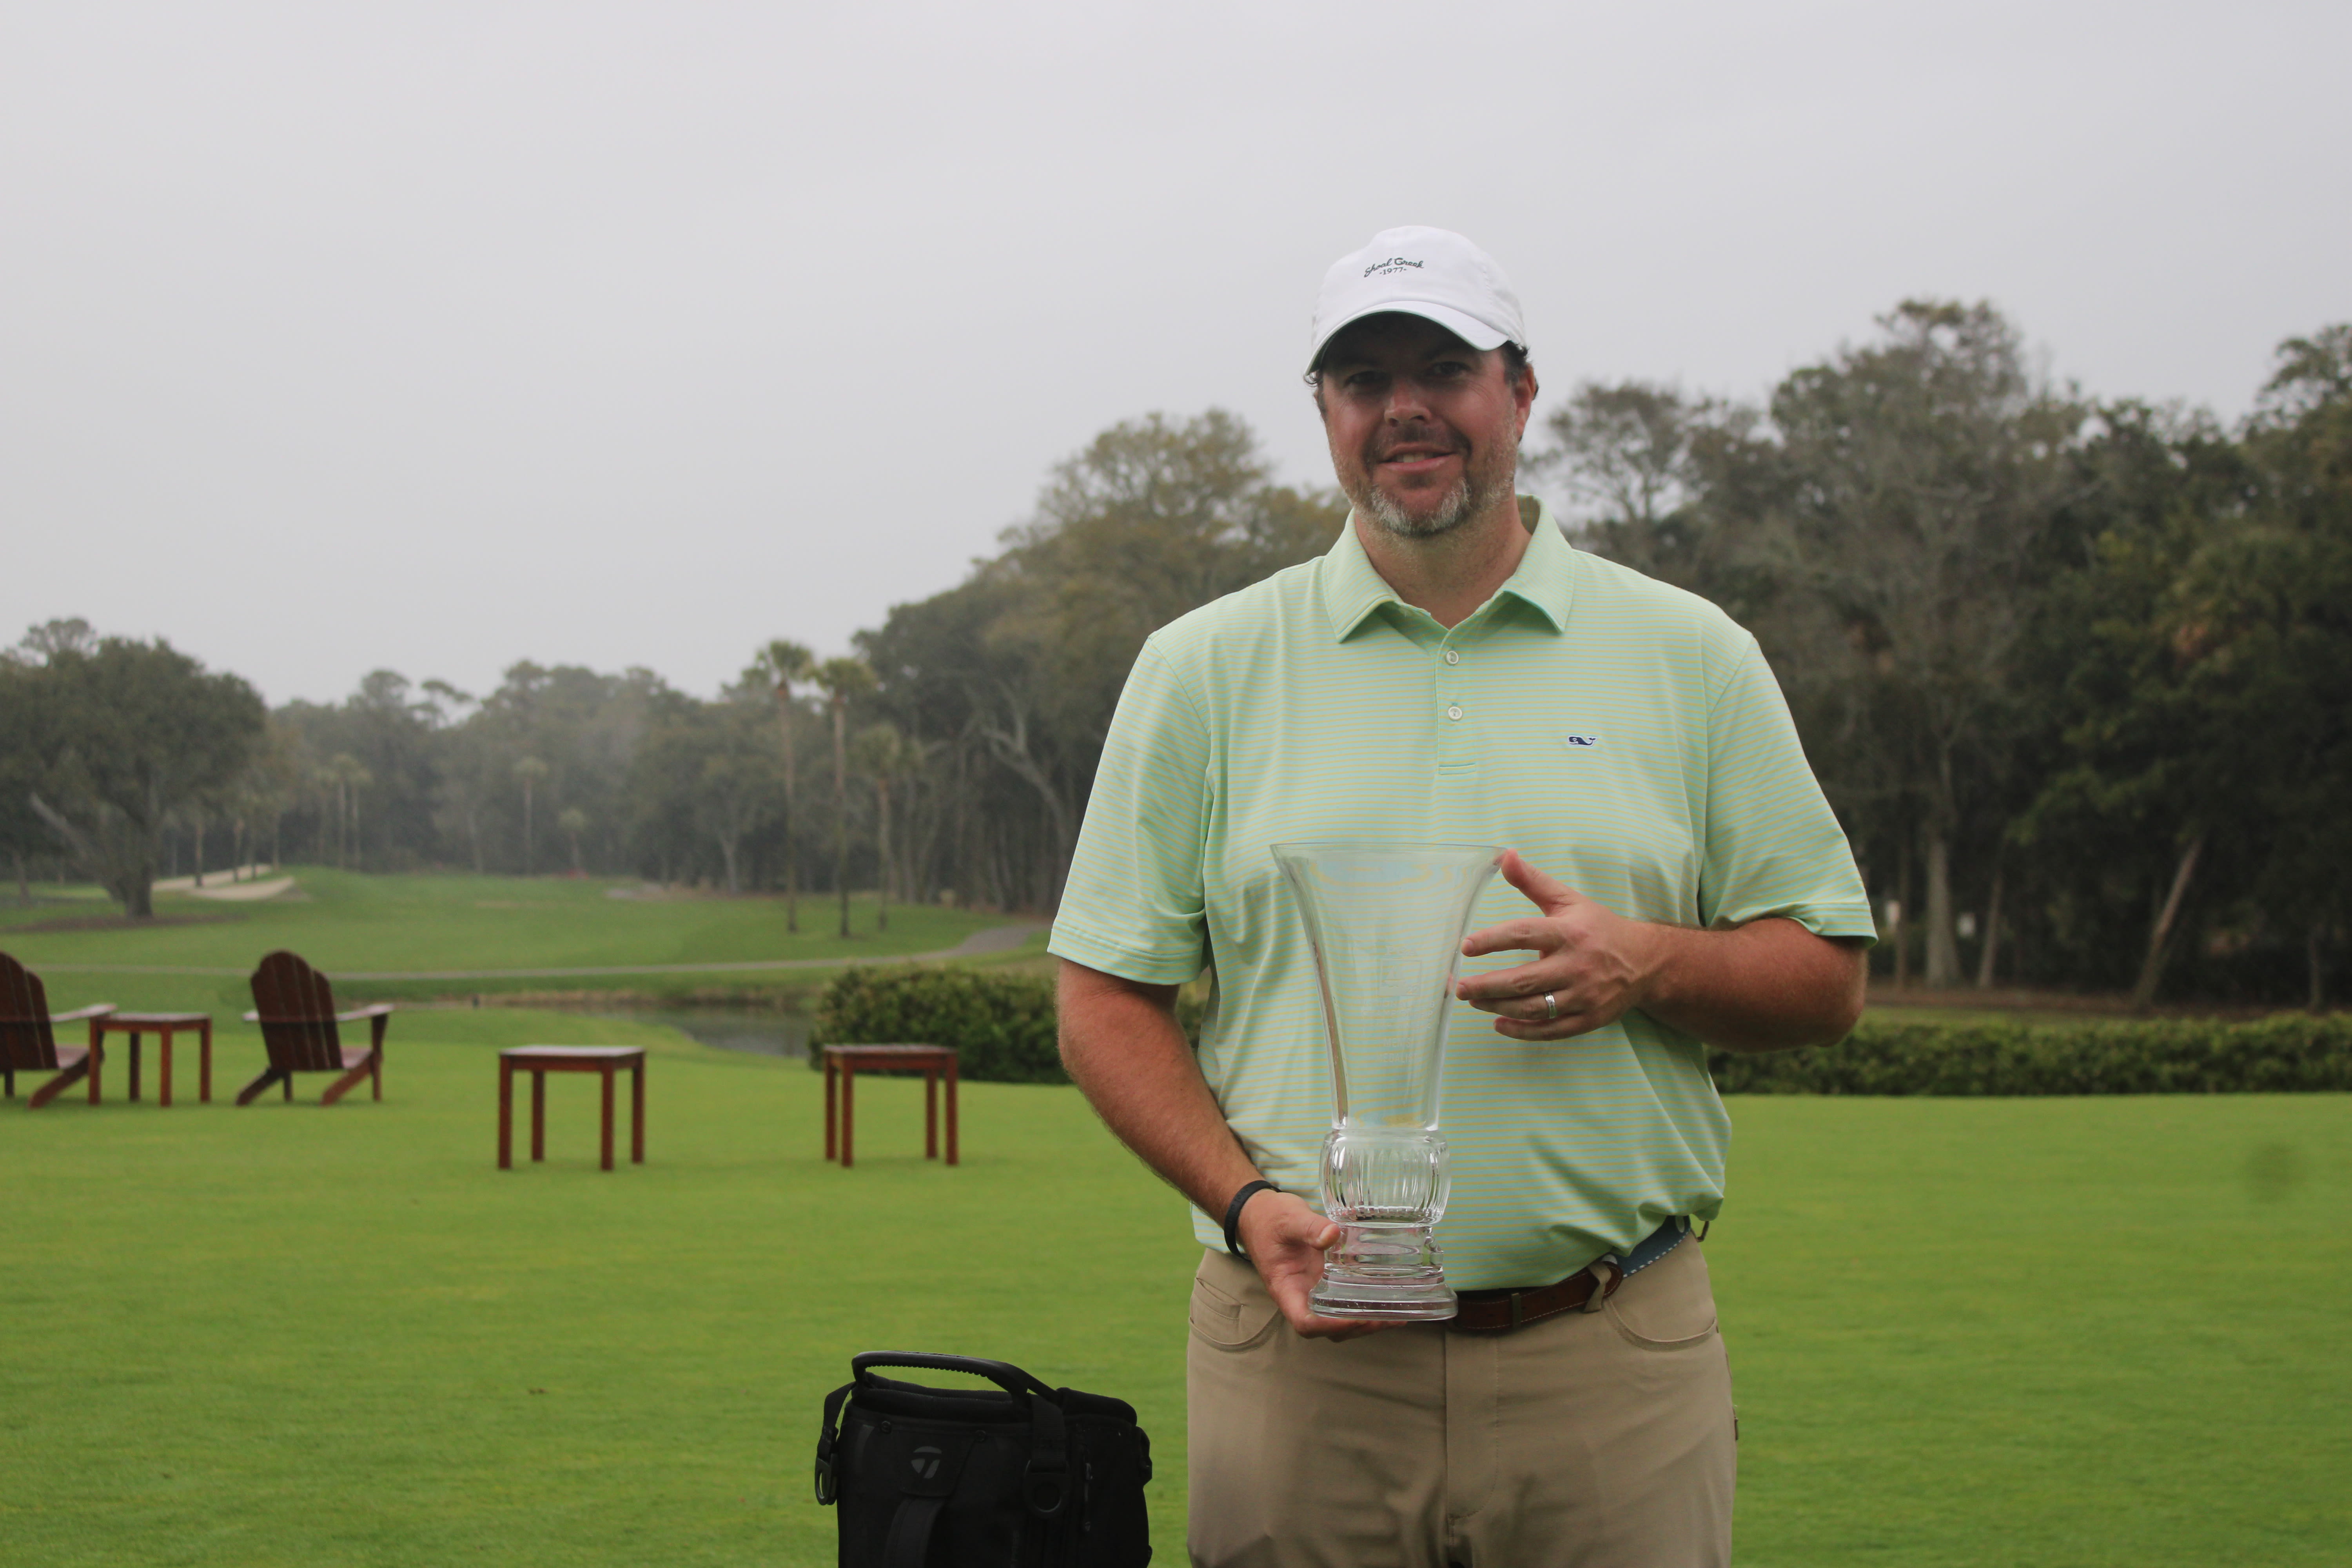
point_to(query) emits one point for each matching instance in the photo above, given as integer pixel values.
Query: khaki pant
(1599, 1439)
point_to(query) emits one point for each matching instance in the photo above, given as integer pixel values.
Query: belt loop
(1606, 1273)
(1516, 1319)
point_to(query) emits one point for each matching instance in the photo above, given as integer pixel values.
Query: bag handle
(1046, 1479)
(1003, 1373)
(828, 1481)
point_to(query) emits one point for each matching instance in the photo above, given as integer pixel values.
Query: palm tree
(530, 770)
(350, 777)
(783, 664)
(331, 792)
(883, 754)
(840, 679)
(573, 822)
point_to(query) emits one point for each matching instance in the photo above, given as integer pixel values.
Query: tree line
(2077, 674)
(2072, 672)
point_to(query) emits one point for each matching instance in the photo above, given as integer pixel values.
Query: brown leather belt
(1500, 1311)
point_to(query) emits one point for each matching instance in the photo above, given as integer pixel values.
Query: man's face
(1425, 429)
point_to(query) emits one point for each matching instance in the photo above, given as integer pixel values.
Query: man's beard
(1480, 484)
(1458, 508)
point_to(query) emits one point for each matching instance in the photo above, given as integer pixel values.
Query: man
(1454, 670)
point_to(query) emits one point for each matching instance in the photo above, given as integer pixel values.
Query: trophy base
(1389, 1273)
(1383, 1300)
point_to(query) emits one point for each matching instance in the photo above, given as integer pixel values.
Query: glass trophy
(1386, 921)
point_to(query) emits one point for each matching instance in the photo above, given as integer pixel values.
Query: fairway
(2080, 1331)
(347, 923)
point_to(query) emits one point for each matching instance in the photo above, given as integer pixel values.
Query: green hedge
(1002, 1025)
(2288, 1053)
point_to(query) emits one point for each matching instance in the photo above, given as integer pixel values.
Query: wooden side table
(540, 1060)
(934, 1062)
(163, 1025)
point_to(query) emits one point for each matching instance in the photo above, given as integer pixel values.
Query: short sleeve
(1133, 904)
(1773, 844)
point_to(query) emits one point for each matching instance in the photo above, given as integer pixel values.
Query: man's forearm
(1123, 1047)
(1768, 985)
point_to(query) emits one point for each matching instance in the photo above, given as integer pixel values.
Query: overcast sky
(433, 336)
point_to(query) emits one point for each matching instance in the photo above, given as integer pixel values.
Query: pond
(763, 1031)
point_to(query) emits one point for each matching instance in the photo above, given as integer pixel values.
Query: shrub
(2290, 1052)
(1002, 1025)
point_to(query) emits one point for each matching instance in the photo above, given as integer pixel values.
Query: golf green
(2030, 1331)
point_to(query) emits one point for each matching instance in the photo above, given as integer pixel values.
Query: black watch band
(1233, 1214)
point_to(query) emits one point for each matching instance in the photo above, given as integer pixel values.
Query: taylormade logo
(927, 1463)
(1393, 264)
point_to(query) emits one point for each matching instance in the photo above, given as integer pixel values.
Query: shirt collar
(1545, 580)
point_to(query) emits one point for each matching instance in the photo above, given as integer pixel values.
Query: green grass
(351, 921)
(2091, 1331)
(289, 1335)
(2104, 1331)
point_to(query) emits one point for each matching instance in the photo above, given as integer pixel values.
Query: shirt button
(1454, 712)
(1452, 657)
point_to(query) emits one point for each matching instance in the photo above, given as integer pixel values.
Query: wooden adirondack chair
(29, 1039)
(296, 1013)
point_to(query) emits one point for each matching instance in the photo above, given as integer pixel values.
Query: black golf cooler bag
(1018, 1476)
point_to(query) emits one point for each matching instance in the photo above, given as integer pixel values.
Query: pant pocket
(1669, 1306)
(1228, 1319)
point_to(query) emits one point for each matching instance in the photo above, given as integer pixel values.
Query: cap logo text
(1393, 264)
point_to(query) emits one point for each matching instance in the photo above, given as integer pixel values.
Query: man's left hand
(1593, 962)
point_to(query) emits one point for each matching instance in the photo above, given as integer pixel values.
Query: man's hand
(1594, 964)
(1286, 1240)
(1766, 985)
(1120, 1042)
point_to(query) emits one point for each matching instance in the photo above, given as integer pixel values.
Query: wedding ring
(1551, 1006)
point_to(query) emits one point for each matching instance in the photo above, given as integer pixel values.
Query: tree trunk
(1011, 748)
(841, 808)
(200, 850)
(1986, 959)
(526, 826)
(24, 882)
(1942, 948)
(1902, 914)
(2160, 937)
(882, 843)
(792, 818)
(727, 854)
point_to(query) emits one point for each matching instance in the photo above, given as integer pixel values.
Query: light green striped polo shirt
(1624, 736)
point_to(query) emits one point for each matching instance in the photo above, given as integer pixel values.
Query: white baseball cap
(1432, 273)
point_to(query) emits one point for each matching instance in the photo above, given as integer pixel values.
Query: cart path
(241, 883)
(995, 938)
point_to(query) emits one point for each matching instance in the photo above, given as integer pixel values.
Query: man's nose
(1406, 401)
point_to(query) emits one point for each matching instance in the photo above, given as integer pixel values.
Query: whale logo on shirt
(1574, 739)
